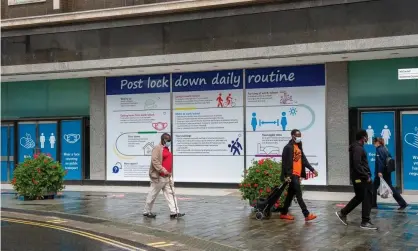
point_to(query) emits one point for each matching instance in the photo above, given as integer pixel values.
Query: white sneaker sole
(345, 224)
(369, 228)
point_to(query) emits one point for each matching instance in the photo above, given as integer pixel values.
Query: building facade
(228, 80)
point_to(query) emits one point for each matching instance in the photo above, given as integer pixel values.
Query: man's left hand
(316, 173)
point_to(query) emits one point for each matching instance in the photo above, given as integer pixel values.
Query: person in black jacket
(381, 171)
(360, 176)
(294, 163)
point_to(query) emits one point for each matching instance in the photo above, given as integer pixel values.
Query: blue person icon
(284, 121)
(235, 147)
(254, 121)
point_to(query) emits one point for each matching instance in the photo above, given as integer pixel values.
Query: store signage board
(18, 2)
(405, 74)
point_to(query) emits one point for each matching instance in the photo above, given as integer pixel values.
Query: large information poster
(138, 113)
(279, 100)
(208, 135)
(409, 123)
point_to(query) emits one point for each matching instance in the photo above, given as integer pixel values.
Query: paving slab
(228, 221)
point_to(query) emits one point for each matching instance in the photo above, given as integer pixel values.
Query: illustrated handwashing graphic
(412, 139)
(27, 141)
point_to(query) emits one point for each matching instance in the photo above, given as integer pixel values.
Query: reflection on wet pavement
(19, 237)
(229, 221)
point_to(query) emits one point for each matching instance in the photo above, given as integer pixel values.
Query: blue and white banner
(71, 148)
(207, 120)
(409, 122)
(208, 81)
(289, 76)
(27, 140)
(138, 84)
(382, 125)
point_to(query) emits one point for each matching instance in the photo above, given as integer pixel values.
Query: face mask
(159, 126)
(298, 140)
(168, 143)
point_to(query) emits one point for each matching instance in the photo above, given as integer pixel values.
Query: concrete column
(337, 124)
(97, 129)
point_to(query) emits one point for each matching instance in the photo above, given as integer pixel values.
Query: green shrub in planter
(260, 179)
(38, 176)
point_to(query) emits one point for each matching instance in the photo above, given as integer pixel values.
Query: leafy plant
(38, 176)
(260, 179)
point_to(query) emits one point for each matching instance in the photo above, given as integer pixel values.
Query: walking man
(294, 163)
(360, 176)
(160, 174)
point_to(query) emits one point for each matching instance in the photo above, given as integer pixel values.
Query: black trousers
(294, 190)
(396, 195)
(363, 194)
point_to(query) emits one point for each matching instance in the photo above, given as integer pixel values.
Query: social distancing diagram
(281, 118)
(217, 127)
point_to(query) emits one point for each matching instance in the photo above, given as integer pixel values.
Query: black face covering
(365, 140)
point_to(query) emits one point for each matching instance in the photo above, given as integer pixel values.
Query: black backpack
(390, 163)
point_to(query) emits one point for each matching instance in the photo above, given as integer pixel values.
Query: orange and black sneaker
(310, 217)
(286, 217)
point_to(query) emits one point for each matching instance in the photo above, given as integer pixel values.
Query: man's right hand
(287, 179)
(369, 180)
(166, 173)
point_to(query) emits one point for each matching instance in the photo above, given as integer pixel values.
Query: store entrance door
(7, 151)
(380, 124)
(399, 129)
(409, 137)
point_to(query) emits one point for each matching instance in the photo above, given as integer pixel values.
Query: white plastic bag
(384, 189)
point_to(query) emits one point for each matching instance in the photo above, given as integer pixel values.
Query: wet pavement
(227, 222)
(18, 237)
